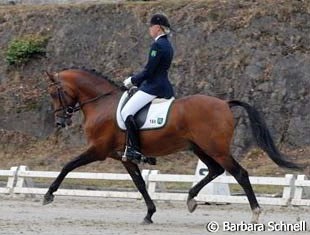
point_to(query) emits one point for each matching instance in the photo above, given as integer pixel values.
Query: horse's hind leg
(242, 177)
(214, 170)
(137, 178)
(83, 159)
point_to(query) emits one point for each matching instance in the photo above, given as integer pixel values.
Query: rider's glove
(127, 83)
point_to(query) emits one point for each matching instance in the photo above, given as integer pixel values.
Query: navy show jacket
(154, 77)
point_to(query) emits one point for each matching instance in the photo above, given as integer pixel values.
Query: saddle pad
(152, 116)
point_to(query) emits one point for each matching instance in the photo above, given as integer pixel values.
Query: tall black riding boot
(133, 141)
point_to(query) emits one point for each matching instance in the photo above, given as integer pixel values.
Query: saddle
(152, 116)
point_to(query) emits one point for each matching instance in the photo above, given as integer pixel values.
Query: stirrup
(132, 155)
(142, 158)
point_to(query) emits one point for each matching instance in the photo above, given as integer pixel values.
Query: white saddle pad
(156, 116)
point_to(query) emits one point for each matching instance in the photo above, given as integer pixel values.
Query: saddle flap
(152, 116)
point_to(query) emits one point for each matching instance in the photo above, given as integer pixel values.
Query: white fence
(19, 181)
(11, 176)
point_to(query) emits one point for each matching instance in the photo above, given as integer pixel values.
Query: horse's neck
(97, 98)
(98, 114)
(91, 90)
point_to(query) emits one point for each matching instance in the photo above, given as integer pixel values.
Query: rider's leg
(133, 140)
(136, 102)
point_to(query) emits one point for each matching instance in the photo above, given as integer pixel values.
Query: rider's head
(159, 24)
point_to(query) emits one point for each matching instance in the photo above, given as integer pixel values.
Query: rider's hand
(127, 83)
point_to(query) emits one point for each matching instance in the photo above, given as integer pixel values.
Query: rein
(69, 109)
(80, 105)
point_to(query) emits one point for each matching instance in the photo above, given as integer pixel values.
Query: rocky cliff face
(254, 51)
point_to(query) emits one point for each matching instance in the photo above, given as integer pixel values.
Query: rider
(152, 82)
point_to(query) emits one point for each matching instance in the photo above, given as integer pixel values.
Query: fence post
(12, 180)
(23, 181)
(299, 189)
(152, 185)
(288, 192)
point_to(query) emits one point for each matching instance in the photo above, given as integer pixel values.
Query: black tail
(262, 135)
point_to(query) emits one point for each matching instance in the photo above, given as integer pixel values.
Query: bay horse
(198, 123)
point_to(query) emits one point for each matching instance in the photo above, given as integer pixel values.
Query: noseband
(67, 109)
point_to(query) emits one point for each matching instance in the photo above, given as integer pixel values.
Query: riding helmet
(160, 19)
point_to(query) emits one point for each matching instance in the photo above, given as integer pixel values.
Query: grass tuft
(21, 50)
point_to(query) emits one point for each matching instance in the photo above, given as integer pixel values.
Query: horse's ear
(50, 76)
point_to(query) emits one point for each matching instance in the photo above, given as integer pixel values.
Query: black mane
(97, 73)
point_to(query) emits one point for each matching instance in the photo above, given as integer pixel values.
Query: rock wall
(41, 2)
(254, 51)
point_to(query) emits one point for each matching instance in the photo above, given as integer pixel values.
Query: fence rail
(20, 181)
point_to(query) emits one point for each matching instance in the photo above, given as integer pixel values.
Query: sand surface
(91, 216)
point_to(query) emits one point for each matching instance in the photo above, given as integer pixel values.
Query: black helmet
(160, 19)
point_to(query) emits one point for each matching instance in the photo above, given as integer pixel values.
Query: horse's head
(63, 100)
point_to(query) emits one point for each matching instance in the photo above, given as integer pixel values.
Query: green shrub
(20, 51)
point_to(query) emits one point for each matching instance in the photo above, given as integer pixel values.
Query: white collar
(159, 36)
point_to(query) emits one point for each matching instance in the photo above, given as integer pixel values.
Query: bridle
(69, 109)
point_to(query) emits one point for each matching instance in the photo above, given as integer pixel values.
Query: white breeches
(135, 103)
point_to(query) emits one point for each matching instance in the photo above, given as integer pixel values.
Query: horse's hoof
(255, 215)
(48, 198)
(146, 221)
(192, 205)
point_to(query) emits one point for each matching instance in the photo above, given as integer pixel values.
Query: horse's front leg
(87, 157)
(137, 178)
